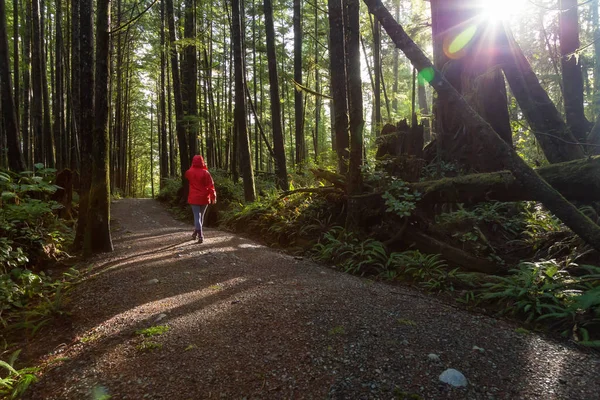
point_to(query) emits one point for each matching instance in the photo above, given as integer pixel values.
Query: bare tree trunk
(179, 112)
(59, 92)
(377, 74)
(86, 75)
(75, 81)
(240, 106)
(338, 83)
(553, 135)
(26, 134)
(36, 79)
(354, 97)
(298, 102)
(16, 56)
(47, 122)
(9, 112)
(572, 76)
(164, 154)
(97, 236)
(189, 73)
(569, 214)
(280, 167)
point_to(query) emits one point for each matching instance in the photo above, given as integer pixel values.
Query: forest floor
(247, 322)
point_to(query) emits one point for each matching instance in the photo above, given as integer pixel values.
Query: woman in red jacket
(202, 193)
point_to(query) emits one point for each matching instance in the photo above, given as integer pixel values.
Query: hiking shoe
(200, 240)
(194, 235)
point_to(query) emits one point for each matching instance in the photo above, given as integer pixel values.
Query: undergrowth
(32, 238)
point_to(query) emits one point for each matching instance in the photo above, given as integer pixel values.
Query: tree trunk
(572, 76)
(298, 102)
(241, 128)
(355, 107)
(278, 144)
(553, 135)
(97, 235)
(47, 122)
(36, 79)
(472, 72)
(338, 83)
(565, 211)
(16, 75)
(86, 59)
(377, 74)
(58, 109)
(179, 111)
(75, 81)
(189, 72)
(9, 112)
(26, 134)
(164, 154)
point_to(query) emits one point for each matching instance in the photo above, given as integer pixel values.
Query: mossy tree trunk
(565, 211)
(97, 233)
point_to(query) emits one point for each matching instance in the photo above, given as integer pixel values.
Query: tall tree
(26, 135)
(179, 111)
(298, 102)
(75, 83)
(278, 144)
(240, 124)
(37, 108)
(47, 122)
(338, 83)
(86, 102)
(97, 234)
(58, 98)
(164, 154)
(189, 72)
(572, 76)
(354, 100)
(9, 112)
(377, 74)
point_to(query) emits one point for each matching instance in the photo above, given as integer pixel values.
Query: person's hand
(213, 200)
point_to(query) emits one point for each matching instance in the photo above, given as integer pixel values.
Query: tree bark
(278, 144)
(164, 154)
(86, 75)
(553, 135)
(298, 102)
(189, 72)
(565, 211)
(577, 180)
(240, 106)
(47, 122)
(355, 107)
(75, 81)
(572, 76)
(36, 80)
(9, 112)
(179, 112)
(338, 83)
(97, 235)
(58, 106)
(26, 116)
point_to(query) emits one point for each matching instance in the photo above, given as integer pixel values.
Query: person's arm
(212, 193)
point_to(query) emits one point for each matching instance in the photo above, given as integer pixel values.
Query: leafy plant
(399, 199)
(16, 382)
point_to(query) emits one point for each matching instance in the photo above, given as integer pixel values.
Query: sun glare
(501, 10)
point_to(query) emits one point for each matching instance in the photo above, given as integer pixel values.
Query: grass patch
(153, 331)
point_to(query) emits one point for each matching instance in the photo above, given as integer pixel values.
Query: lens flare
(426, 75)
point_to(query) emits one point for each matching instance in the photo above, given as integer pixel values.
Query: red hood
(198, 162)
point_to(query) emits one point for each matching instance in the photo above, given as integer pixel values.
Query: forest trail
(249, 322)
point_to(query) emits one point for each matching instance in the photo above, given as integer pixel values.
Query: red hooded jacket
(202, 187)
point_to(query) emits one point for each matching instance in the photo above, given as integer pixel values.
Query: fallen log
(577, 180)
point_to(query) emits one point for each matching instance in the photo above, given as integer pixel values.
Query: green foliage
(14, 382)
(399, 199)
(153, 330)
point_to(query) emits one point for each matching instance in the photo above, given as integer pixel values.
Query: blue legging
(199, 211)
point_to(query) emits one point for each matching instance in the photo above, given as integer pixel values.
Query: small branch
(131, 21)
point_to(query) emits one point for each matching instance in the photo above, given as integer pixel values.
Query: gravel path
(249, 322)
